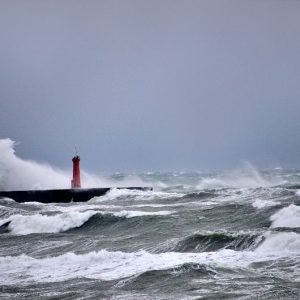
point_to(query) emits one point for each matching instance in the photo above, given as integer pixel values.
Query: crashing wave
(105, 265)
(118, 194)
(39, 223)
(20, 174)
(287, 217)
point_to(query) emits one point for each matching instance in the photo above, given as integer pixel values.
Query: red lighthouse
(75, 182)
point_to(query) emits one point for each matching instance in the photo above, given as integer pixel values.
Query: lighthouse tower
(75, 182)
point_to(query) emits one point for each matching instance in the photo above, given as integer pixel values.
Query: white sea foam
(133, 213)
(161, 205)
(281, 242)
(112, 210)
(106, 265)
(116, 194)
(178, 204)
(39, 223)
(287, 217)
(77, 207)
(259, 203)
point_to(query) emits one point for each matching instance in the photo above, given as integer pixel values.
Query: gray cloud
(152, 85)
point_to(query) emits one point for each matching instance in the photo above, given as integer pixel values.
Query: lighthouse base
(61, 196)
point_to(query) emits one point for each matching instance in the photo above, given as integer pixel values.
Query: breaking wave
(102, 265)
(105, 265)
(287, 217)
(18, 174)
(20, 224)
(281, 243)
(213, 241)
(39, 223)
(117, 194)
(259, 203)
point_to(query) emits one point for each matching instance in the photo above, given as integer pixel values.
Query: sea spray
(20, 174)
(246, 177)
(287, 217)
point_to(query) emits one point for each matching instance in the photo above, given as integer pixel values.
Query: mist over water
(232, 234)
(20, 174)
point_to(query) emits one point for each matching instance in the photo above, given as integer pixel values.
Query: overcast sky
(152, 85)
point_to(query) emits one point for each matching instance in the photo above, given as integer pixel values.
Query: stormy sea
(199, 235)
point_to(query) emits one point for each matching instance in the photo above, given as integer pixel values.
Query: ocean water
(232, 235)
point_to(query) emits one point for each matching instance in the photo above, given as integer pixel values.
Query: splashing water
(229, 235)
(247, 177)
(19, 174)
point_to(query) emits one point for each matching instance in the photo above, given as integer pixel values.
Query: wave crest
(287, 217)
(118, 194)
(38, 223)
(213, 241)
(105, 265)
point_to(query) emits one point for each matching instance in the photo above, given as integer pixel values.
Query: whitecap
(259, 203)
(105, 265)
(38, 223)
(133, 213)
(286, 217)
(116, 194)
(280, 243)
